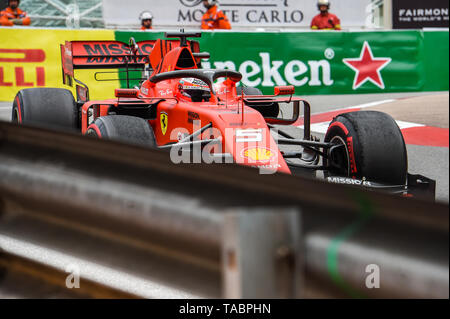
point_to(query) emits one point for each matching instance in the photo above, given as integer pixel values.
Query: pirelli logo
(112, 53)
(20, 67)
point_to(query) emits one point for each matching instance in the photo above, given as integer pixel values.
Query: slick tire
(123, 128)
(46, 107)
(266, 110)
(374, 148)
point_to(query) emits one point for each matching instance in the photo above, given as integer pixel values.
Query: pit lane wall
(314, 62)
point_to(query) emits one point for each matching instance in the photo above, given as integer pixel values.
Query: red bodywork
(243, 131)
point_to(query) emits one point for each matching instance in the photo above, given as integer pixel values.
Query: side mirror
(288, 113)
(201, 55)
(284, 90)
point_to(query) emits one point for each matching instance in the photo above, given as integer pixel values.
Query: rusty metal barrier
(136, 225)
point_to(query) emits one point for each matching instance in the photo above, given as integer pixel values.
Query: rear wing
(111, 55)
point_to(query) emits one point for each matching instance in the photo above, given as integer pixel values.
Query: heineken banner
(331, 62)
(314, 62)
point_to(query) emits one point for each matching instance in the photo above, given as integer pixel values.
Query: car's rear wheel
(372, 148)
(46, 107)
(267, 110)
(128, 129)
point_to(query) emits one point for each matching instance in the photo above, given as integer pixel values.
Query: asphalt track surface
(429, 110)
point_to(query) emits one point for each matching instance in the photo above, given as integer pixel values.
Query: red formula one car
(201, 115)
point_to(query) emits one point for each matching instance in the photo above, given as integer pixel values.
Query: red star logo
(367, 67)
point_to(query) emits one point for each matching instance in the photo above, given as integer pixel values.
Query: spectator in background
(146, 20)
(325, 20)
(12, 15)
(214, 18)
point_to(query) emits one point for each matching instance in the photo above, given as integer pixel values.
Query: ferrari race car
(202, 115)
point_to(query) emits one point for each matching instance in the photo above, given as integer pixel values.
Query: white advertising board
(241, 13)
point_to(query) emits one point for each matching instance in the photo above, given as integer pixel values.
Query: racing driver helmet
(194, 89)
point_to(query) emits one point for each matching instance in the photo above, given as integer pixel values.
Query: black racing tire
(374, 147)
(123, 128)
(46, 107)
(266, 110)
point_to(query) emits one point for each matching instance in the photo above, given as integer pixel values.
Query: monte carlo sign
(241, 13)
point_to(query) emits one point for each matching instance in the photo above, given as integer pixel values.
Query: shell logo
(258, 154)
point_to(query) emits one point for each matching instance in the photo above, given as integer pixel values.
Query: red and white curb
(413, 133)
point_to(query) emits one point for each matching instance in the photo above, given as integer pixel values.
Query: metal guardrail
(139, 226)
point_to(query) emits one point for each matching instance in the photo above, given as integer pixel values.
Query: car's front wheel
(372, 147)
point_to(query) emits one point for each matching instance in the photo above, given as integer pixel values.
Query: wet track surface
(426, 109)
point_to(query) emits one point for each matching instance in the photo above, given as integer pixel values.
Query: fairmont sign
(417, 14)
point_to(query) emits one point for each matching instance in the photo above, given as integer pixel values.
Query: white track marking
(404, 125)
(362, 106)
(322, 127)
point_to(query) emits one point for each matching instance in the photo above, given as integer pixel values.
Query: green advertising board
(329, 62)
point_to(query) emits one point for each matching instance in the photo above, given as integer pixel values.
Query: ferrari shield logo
(164, 119)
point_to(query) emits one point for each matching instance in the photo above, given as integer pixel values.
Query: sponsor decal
(115, 49)
(269, 166)
(267, 72)
(249, 135)
(111, 53)
(222, 91)
(351, 155)
(164, 120)
(243, 123)
(22, 68)
(192, 116)
(416, 14)
(348, 181)
(367, 68)
(246, 12)
(165, 92)
(258, 154)
(31, 58)
(115, 59)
